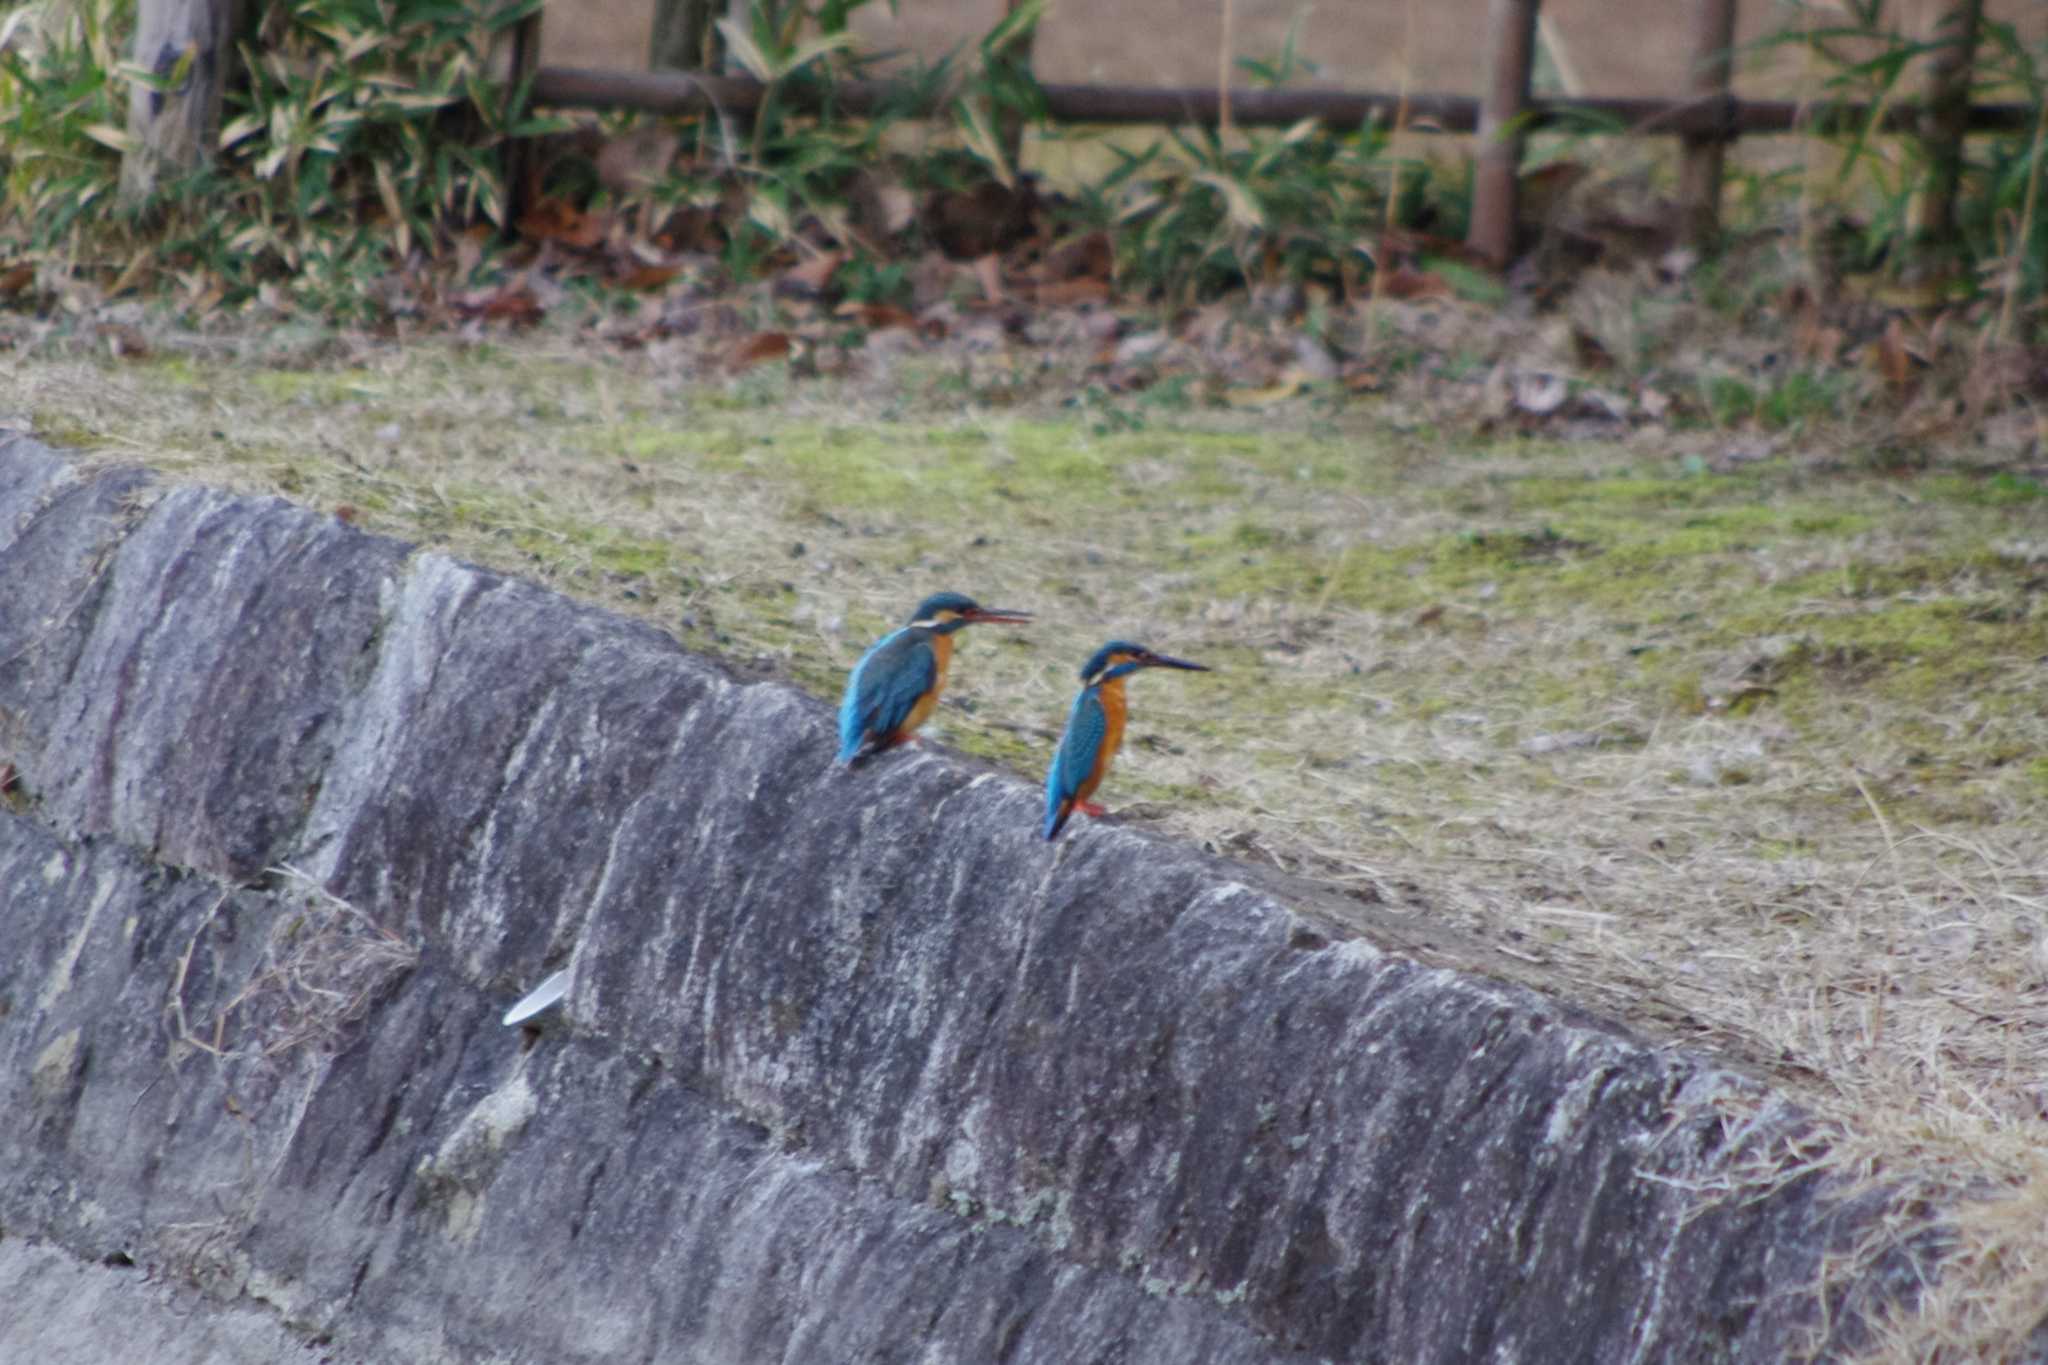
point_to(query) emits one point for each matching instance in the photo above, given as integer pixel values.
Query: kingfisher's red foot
(1093, 811)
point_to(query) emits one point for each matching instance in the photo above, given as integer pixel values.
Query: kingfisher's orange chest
(942, 656)
(1115, 708)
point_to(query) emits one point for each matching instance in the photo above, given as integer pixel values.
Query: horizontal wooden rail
(671, 92)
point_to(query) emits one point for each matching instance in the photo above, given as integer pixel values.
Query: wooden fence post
(1701, 154)
(518, 160)
(683, 37)
(178, 129)
(1510, 45)
(1944, 119)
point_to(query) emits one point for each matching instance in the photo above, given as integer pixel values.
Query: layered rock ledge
(854, 1067)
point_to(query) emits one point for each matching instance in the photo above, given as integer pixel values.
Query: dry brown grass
(323, 967)
(1750, 757)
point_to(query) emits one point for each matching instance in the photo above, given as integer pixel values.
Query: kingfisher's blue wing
(1074, 760)
(883, 688)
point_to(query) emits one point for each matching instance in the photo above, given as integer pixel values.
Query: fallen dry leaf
(557, 220)
(124, 342)
(512, 302)
(1539, 395)
(876, 317)
(644, 276)
(1071, 293)
(1089, 256)
(1404, 281)
(759, 347)
(16, 278)
(637, 158)
(1888, 355)
(810, 278)
(689, 229)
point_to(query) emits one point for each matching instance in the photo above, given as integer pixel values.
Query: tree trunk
(1497, 161)
(175, 130)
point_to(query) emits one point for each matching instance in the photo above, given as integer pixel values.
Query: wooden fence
(1705, 119)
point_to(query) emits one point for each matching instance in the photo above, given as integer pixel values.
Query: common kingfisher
(894, 687)
(1095, 729)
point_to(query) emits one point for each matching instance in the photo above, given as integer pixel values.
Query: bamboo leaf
(109, 136)
(1239, 206)
(1015, 24)
(809, 52)
(981, 140)
(240, 128)
(745, 52)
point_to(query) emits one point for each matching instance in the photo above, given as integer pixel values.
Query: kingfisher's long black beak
(1168, 661)
(1001, 616)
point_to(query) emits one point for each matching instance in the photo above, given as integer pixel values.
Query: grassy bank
(1744, 748)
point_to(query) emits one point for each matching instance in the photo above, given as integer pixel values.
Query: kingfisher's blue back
(1074, 762)
(884, 688)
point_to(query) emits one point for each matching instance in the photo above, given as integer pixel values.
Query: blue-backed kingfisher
(894, 687)
(1095, 729)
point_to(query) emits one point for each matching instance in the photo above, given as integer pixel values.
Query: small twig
(1891, 847)
(177, 1002)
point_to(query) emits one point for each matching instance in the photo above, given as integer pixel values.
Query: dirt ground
(1585, 49)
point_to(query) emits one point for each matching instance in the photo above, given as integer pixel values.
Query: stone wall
(854, 1066)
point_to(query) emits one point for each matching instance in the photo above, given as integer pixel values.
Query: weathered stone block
(854, 1066)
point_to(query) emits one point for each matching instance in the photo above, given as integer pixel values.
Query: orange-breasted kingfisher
(1095, 729)
(894, 687)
